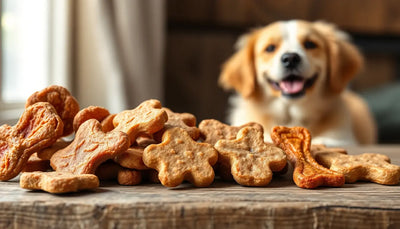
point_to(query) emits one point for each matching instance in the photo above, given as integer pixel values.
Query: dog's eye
(270, 48)
(310, 45)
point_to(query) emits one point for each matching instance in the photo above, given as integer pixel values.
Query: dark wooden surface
(223, 205)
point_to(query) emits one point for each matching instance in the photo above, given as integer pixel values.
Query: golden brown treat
(145, 119)
(58, 182)
(90, 112)
(108, 170)
(178, 157)
(132, 158)
(251, 160)
(38, 128)
(129, 177)
(367, 167)
(62, 100)
(90, 148)
(144, 141)
(185, 121)
(36, 164)
(213, 130)
(48, 152)
(319, 148)
(107, 123)
(296, 143)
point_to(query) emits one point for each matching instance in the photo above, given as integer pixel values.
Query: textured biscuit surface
(178, 157)
(89, 149)
(58, 182)
(251, 160)
(90, 112)
(38, 128)
(62, 100)
(296, 143)
(367, 167)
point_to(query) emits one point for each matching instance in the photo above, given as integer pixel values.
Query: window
(25, 53)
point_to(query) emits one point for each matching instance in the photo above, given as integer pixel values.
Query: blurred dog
(295, 73)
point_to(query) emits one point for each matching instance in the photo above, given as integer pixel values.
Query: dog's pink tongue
(291, 87)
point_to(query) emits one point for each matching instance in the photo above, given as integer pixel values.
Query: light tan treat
(108, 170)
(296, 143)
(319, 148)
(129, 177)
(185, 121)
(48, 152)
(90, 112)
(367, 167)
(38, 128)
(144, 141)
(251, 160)
(132, 158)
(107, 123)
(36, 164)
(58, 182)
(145, 119)
(178, 157)
(213, 130)
(90, 148)
(62, 100)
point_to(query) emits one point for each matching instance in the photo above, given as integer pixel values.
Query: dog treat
(367, 167)
(213, 130)
(185, 121)
(129, 177)
(38, 128)
(89, 149)
(296, 143)
(319, 148)
(178, 157)
(107, 123)
(145, 119)
(132, 158)
(91, 112)
(35, 163)
(151, 175)
(48, 152)
(251, 160)
(58, 182)
(62, 100)
(108, 170)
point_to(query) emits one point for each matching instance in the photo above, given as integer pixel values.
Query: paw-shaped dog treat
(38, 128)
(62, 100)
(296, 143)
(132, 158)
(89, 149)
(180, 158)
(251, 160)
(145, 119)
(58, 182)
(185, 121)
(367, 167)
(214, 130)
(90, 112)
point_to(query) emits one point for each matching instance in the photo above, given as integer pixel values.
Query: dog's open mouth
(293, 85)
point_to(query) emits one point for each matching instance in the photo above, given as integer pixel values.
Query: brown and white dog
(295, 73)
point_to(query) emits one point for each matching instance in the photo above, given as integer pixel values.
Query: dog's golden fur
(312, 94)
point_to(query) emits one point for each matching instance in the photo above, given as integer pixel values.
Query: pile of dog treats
(154, 144)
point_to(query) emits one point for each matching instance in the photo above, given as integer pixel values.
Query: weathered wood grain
(223, 205)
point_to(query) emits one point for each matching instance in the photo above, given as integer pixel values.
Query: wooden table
(223, 205)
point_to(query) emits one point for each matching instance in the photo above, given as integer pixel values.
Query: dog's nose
(290, 60)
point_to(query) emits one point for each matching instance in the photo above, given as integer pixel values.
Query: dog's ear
(238, 72)
(344, 59)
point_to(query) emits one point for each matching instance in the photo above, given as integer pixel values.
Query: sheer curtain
(110, 53)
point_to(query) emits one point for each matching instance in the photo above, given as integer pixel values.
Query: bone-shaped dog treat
(62, 100)
(132, 158)
(251, 160)
(38, 128)
(368, 166)
(90, 112)
(89, 149)
(296, 143)
(145, 119)
(178, 157)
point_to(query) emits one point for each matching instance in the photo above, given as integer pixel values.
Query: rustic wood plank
(223, 205)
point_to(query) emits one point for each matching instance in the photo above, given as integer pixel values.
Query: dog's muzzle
(293, 86)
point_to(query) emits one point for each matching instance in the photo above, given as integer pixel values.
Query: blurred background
(117, 53)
